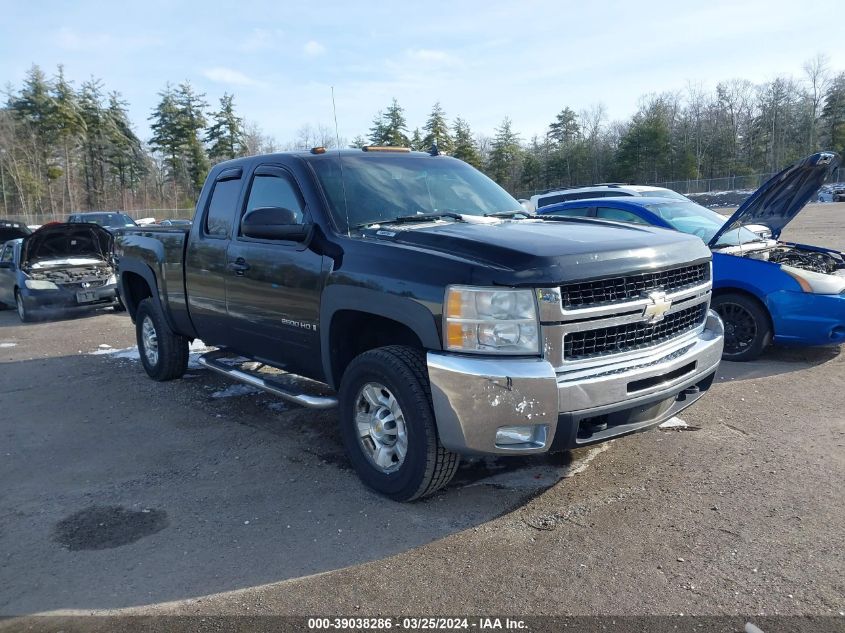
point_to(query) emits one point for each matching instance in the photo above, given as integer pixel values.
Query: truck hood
(66, 241)
(533, 251)
(780, 199)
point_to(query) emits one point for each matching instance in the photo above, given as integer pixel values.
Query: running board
(212, 361)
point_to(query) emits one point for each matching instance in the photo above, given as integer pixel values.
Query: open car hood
(781, 197)
(12, 230)
(63, 241)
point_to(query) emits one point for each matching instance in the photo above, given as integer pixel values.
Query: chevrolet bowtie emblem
(657, 308)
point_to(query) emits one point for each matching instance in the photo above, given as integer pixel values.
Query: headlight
(40, 284)
(818, 283)
(490, 320)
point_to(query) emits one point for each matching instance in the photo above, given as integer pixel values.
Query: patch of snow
(8, 344)
(233, 391)
(674, 423)
(130, 353)
(196, 349)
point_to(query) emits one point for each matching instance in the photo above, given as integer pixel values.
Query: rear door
(273, 286)
(205, 259)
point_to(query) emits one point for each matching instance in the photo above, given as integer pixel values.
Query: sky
(483, 61)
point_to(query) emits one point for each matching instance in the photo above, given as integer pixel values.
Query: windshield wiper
(508, 214)
(421, 217)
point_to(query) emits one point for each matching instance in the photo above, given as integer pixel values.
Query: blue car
(764, 289)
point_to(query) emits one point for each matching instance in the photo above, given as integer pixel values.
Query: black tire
(24, 313)
(171, 360)
(118, 305)
(748, 329)
(427, 466)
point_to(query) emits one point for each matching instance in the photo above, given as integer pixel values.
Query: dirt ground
(197, 497)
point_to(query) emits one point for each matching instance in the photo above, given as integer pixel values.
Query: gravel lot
(188, 497)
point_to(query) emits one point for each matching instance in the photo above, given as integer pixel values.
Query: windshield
(377, 188)
(109, 219)
(692, 218)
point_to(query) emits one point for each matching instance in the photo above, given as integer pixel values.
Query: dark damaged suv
(414, 293)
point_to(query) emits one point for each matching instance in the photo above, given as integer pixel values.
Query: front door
(273, 287)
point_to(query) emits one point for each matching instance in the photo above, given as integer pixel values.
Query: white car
(604, 190)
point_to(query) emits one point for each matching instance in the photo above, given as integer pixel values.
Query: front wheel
(388, 427)
(24, 313)
(164, 353)
(747, 328)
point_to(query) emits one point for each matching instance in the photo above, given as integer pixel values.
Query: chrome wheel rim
(149, 339)
(380, 425)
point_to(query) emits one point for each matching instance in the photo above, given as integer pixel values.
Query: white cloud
(428, 55)
(313, 49)
(71, 40)
(261, 39)
(224, 75)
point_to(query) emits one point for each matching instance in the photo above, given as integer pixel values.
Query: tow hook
(689, 391)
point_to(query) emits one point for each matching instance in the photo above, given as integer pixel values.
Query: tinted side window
(275, 191)
(222, 207)
(618, 215)
(580, 212)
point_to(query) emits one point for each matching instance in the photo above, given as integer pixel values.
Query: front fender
(404, 310)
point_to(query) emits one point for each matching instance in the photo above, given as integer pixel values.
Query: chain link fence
(698, 186)
(37, 219)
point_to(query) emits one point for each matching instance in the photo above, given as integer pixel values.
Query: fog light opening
(523, 436)
(837, 333)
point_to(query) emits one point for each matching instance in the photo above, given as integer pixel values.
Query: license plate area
(86, 296)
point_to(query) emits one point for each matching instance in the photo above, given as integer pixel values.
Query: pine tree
(69, 126)
(395, 127)
(226, 133)
(505, 156)
(564, 129)
(95, 143)
(437, 131)
(358, 142)
(125, 154)
(417, 143)
(167, 138)
(833, 114)
(464, 148)
(379, 130)
(191, 122)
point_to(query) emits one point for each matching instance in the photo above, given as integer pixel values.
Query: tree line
(64, 148)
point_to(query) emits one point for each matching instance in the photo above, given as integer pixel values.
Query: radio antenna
(336, 129)
(340, 162)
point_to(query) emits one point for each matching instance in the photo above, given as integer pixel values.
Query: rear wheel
(164, 353)
(747, 328)
(388, 426)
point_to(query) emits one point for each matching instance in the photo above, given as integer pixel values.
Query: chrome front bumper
(473, 397)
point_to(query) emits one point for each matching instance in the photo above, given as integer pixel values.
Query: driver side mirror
(273, 223)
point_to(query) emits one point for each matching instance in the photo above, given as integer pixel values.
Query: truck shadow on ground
(778, 360)
(119, 491)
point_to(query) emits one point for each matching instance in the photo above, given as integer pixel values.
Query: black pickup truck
(417, 295)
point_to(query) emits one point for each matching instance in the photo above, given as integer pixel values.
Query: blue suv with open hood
(765, 290)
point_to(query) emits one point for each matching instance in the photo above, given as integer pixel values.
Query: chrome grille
(85, 285)
(631, 336)
(632, 287)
